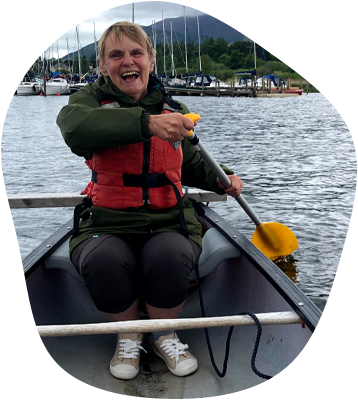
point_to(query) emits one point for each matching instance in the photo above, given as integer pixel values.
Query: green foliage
(217, 57)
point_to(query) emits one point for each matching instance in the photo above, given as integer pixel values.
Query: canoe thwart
(155, 325)
(48, 200)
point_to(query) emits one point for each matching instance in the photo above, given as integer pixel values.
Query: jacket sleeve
(197, 173)
(86, 126)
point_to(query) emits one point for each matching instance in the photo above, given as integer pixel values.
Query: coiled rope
(227, 351)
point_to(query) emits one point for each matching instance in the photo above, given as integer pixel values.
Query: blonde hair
(133, 31)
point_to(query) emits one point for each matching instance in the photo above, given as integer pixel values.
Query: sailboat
(200, 78)
(29, 86)
(266, 81)
(57, 85)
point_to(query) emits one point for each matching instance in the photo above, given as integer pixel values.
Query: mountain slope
(280, 23)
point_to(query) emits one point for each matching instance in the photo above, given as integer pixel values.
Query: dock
(231, 91)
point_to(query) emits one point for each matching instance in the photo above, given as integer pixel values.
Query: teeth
(130, 73)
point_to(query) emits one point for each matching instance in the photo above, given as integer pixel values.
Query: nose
(127, 58)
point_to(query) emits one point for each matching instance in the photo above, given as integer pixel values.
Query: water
(295, 156)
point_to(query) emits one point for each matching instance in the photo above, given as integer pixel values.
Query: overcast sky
(63, 15)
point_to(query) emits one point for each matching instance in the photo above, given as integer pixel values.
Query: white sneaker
(125, 362)
(179, 360)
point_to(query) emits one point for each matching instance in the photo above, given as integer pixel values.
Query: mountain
(280, 23)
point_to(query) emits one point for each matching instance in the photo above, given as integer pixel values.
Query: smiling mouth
(131, 74)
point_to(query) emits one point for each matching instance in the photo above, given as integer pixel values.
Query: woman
(139, 231)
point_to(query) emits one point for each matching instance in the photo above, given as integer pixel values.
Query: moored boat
(29, 87)
(234, 277)
(57, 86)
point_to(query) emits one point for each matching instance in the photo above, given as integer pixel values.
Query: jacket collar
(153, 96)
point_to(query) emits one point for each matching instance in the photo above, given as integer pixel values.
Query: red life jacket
(128, 177)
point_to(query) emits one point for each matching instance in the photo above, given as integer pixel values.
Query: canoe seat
(215, 249)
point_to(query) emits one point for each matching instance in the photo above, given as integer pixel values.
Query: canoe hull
(237, 284)
(229, 289)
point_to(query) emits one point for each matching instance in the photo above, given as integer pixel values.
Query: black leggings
(115, 268)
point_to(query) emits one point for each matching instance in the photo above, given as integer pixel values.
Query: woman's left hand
(236, 185)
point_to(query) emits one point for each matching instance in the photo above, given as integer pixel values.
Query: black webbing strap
(86, 202)
(154, 180)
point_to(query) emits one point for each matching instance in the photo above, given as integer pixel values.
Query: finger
(188, 124)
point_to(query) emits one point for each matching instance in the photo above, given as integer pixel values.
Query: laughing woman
(138, 233)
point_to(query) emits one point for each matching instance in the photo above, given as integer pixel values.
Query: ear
(151, 66)
(102, 68)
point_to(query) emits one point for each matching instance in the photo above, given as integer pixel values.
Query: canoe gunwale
(300, 303)
(38, 255)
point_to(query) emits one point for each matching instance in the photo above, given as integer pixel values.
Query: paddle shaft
(201, 149)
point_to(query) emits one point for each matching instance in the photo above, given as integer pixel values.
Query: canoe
(235, 277)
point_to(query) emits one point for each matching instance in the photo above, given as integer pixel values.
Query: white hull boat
(29, 88)
(57, 86)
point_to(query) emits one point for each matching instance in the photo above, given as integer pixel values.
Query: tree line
(217, 57)
(221, 59)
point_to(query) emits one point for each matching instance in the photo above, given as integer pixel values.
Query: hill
(274, 23)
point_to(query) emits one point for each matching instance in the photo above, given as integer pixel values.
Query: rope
(4, 365)
(227, 350)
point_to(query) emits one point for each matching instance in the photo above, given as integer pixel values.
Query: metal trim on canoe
(38, 255)
(301, 304)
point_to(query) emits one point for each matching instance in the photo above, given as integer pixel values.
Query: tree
(236, 59)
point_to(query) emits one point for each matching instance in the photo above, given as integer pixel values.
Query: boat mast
(58, 59)
(253, 26)
(132, 13)
(95, 47)
(163, 45)
(18, 42)
(171, 40)
(78, 52)
(197, 18)
(186, 53)
(45, 52)
(68, 58)
(154, 32)
(37, 52)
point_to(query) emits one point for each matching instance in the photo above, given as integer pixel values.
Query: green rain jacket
(86, 127)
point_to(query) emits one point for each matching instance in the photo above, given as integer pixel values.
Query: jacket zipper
(146, 160)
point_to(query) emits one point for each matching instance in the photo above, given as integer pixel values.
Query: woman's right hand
(170, 127)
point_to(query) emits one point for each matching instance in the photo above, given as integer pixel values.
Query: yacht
(57, 86)
(29, 87)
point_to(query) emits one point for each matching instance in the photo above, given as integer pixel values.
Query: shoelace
(129, 348)
(174, 348)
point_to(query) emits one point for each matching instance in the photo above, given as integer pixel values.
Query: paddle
(272, 238)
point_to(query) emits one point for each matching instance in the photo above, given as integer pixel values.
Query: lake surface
(295, 156)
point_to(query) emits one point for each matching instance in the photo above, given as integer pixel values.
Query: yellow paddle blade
(274, 240)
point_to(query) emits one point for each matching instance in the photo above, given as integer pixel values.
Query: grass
(323, 86)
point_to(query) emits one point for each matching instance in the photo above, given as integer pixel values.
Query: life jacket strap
(86, 203)
(157, 180)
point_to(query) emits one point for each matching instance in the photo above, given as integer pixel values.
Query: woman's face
(128, 65)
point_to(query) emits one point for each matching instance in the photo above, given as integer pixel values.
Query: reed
(323, 86)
